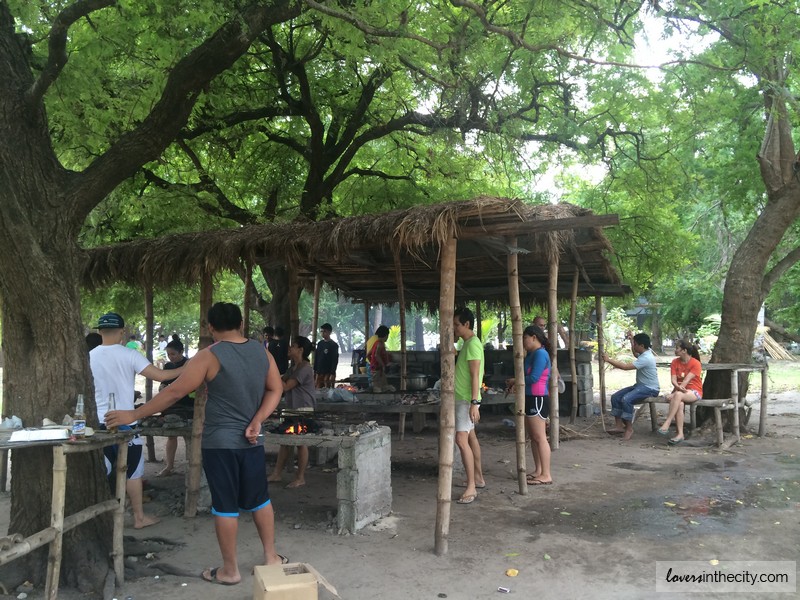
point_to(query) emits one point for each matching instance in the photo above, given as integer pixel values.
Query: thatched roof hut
(358, 255)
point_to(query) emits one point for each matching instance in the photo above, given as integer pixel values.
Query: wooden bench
(718, 404)
(736, 401)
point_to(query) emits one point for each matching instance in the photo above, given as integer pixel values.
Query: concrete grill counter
(364, 478)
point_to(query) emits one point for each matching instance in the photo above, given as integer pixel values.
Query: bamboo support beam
(601, 372)
(552, 327)
(194, 452)
(315, 317)
(762, 415)
(117, 545)
(573, 370)
(248, 282)
(515, 307)
(447, 422)
(478, 321)
(56, 522)
(148, 384)
(366, 324)
(401, 299)
(294, 308)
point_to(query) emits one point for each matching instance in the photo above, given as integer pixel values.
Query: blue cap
(111, 321)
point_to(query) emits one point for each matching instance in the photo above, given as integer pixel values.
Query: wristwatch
(475, 402)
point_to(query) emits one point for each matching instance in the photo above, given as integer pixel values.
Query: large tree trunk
(749, 280)
(46, 363)
(42, 206)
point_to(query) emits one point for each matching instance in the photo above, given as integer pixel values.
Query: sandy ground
(615, 509)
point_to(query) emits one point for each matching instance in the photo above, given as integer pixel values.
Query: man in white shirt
(114, 369)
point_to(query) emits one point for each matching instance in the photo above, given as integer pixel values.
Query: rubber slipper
(675, 441)
(539, 482)
(210, 576)
(467, 499)
(662, 432)
(284, 561)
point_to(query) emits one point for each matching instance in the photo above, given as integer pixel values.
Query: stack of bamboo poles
(775, 350)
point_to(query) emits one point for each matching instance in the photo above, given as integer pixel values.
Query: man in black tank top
(244, 388)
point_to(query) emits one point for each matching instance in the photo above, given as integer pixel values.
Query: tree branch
(185, 83)
(776, 272)
(369, 29)
(375, 173)
(237, 118)
(57, 45)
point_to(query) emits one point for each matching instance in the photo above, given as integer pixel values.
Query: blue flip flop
(675, 441)
(662, 432)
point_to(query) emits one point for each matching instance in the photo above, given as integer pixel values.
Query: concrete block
(363, 485)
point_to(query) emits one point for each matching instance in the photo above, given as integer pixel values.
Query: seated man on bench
(687, 386)
(646, 384)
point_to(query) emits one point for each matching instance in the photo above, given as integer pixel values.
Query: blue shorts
(237, 480)
(537, 406)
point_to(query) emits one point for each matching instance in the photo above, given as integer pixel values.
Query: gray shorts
(463, 422)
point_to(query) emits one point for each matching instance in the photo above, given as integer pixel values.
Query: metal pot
(414, 382)
(417, 382)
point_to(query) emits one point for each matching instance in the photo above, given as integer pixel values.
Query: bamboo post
(56, 521)
(248, 281)
(519, 368)
(401, 299)
(573, 303)
(315, 318)
(552, 310)
(294, 302)
(478, 321)
(148, 385)
(601, 375)
(118, 549)
(195, 455)
(762, 415)
(447, 421)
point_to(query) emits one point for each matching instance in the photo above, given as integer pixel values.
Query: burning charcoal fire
(298, 426)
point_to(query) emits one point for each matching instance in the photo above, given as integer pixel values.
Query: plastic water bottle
(79, 420)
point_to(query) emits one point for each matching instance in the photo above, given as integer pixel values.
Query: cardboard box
(293, 581)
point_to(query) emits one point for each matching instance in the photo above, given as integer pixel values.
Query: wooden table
(54, 534)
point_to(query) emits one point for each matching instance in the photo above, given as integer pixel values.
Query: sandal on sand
(675, 441)
(662, 432)
(210, 576)
(284, 561)
(539, 482)
(467, 499)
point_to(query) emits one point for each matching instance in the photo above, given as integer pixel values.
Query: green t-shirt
(472, 349)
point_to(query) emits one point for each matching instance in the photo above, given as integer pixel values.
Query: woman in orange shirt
(687, 386)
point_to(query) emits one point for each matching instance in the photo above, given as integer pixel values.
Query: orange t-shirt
(680, 370)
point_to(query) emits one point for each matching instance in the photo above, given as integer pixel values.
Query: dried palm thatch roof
(359, 255)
